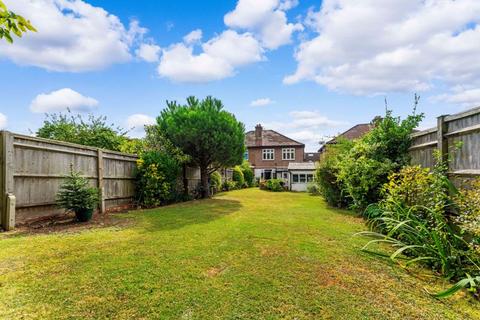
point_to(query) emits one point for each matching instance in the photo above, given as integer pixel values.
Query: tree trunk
(204, 178)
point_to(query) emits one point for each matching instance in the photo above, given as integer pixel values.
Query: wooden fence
(452, 130)
(32, 169)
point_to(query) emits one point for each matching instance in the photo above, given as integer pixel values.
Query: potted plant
(76, 195)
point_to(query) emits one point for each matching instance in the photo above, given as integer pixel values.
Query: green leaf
(454, 289)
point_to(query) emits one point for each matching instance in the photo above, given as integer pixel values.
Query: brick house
(270, 153)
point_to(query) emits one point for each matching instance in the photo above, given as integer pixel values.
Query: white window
(309, 177)
(268, 154)
(288, 154)
(302, 178)
(295, 178)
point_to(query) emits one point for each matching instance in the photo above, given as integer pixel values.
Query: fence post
(10, 211)
(6, 183)
(100, 181)
(442, 142)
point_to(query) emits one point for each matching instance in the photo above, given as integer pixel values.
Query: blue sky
(305, 68)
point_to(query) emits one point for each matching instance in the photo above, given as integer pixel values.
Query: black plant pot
(84, 215)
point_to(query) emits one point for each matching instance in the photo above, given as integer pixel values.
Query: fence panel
(32, 169)
(457, 137)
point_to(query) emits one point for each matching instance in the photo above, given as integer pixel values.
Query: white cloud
(261, 102)
(72, 36)
(137, 123)
(266, 19)
(148, 52)
(374, 46)
(62, 99)
(219, 58)
(193, 37)
(3, 121)
(310, 138)
(461, 96)
(309, 127)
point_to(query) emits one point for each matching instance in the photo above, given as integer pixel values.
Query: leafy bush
(275, 185)
(468, 208)
(362, 177)
(157, 175)
(75, 193)
(216, 181)
(418, 189)
(365, 168)
(134, 146)
(93, 131)
(330, 187)
(238, 177)
(230, 185)
(353, 174)
(248, 174)
(313, 188)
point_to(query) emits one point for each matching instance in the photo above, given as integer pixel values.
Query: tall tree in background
(94, 131)
(204, 131)
(12, 23)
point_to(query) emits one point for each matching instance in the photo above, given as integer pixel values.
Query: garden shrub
(237, 177)
(467, 202)
(362, 178)
(157, 175)
(229, 185)
(368, 164)
(313, 188)
(275, 185)
(354, 176)
(216, 181)
(417, 188)
(326, 175)
(248, 174)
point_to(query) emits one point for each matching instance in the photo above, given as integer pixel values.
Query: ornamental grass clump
(78, 196)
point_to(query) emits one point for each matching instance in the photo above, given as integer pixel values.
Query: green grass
(245, 254)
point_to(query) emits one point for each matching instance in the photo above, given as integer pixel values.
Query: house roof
(353, 133)
(301, 166)
(270, 138)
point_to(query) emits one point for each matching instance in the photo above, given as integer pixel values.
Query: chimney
(258, 134)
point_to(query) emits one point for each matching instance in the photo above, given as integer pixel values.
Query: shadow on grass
(189, 213)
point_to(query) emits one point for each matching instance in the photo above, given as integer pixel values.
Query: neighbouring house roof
(301, 166)
(353, 133)
(270, 138)
(311, 156)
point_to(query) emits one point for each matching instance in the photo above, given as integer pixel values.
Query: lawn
(246, 254)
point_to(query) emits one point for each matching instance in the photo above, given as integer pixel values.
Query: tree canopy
(210, 136)
(12, 23)
(94, 131)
